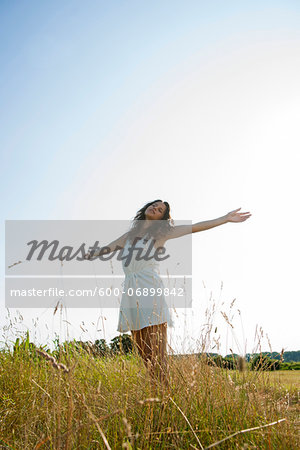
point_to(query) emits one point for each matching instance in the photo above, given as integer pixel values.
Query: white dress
(139, 311)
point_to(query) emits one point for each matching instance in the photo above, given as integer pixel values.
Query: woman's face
(155, 211)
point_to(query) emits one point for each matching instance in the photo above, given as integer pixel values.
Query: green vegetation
(293, 356)
(90, 396)
(257, 361)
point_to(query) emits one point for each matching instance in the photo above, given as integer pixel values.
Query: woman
(148, 315)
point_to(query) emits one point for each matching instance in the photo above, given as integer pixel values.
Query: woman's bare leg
(151, 343)
(160, 367)
(142, 343)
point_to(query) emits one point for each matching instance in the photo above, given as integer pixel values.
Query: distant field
(279, 379)
(290, 379)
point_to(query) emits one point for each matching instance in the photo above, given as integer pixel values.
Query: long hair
(157, 229)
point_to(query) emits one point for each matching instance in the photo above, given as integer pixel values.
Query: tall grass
(73, 398)
(79, 400)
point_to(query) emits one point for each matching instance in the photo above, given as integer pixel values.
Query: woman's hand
(235, 216)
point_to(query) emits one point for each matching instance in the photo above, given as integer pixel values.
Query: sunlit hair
(157, 229)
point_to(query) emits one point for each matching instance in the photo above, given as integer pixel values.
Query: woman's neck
(146, 225)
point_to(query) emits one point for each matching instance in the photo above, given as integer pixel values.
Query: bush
(219, 361)
(263, 362)
(102, 347)
(121, 344)
(290, 366)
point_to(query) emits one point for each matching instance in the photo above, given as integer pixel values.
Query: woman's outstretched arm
(232, 216)
(111, 247)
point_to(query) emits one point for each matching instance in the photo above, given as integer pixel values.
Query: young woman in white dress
(149, 331)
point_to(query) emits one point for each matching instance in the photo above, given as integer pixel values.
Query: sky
(108, 105)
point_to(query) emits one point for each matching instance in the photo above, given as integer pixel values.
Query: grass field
(93, 403)
(279, 379)
(289, 379)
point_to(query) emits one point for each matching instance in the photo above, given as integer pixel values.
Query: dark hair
(156, 230)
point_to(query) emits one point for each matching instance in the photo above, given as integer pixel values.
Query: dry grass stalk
(244, 431)
(129, 434)
(188, 422)
(14, 264)
(70, 417)
(148, 400)
(226, 319)
(94, 419)
(53, 361)
(43, 390)
(56, 307)
(42, 442)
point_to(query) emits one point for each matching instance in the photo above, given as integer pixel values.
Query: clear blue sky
(76, 84)
(63, 60)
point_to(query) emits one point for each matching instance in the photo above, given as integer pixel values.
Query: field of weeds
(77, 400)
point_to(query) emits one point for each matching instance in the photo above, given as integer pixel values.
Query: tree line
(123, 344)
